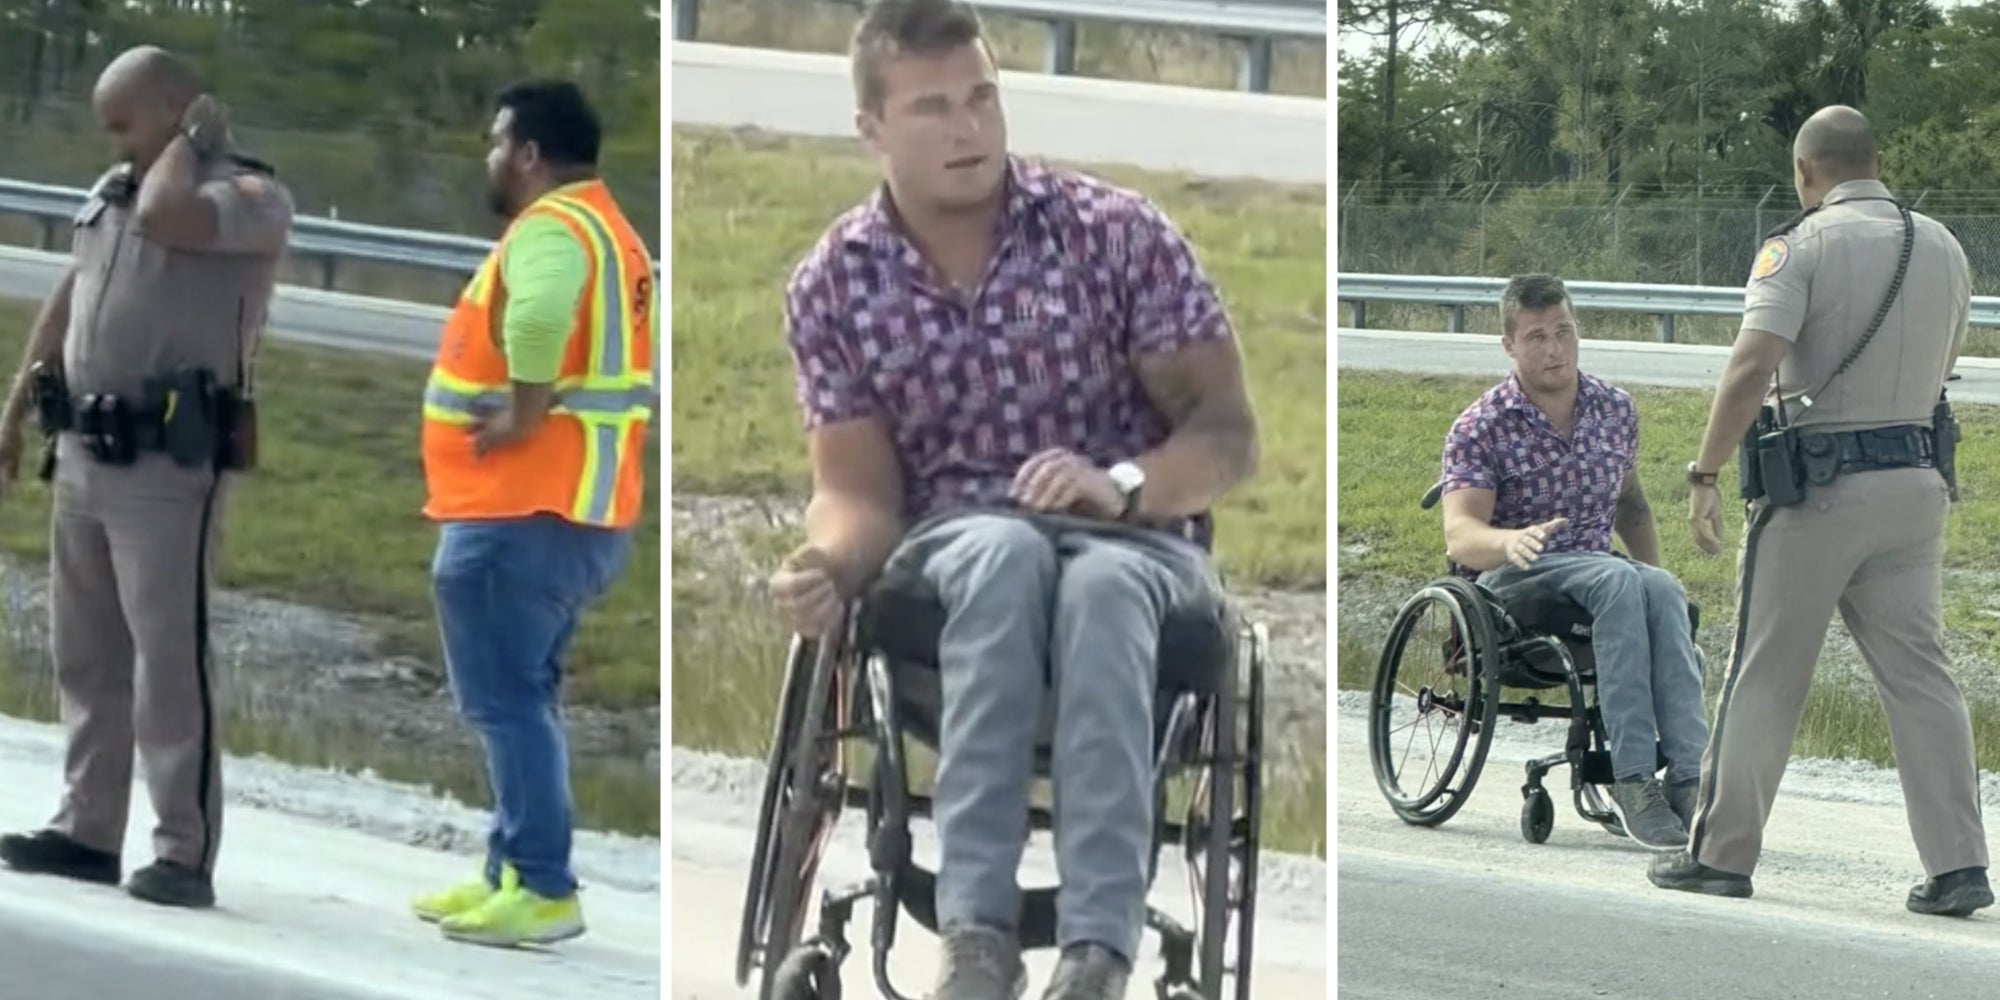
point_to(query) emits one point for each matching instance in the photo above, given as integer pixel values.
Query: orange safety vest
(584, 461)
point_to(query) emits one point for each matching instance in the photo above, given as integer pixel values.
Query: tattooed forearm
(1214, 445)
(1229, 430)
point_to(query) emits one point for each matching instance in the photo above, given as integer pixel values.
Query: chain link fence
(1612, 236)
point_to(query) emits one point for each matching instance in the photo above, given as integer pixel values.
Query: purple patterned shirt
(1086, 278)
(1503, 443)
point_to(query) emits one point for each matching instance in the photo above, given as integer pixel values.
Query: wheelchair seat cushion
(903, 617)
(1541, 609)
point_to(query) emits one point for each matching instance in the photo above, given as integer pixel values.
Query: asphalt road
(306, 908)
(1619, 361)
(1215, 133)
(40, 961)
(1414, 930)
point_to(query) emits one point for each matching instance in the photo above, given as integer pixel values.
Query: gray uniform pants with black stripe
(130, 554)
(1870, 545)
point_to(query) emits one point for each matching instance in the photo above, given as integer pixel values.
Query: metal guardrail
(326, 240)
(335, 320)
(1257, 24)
(1663, 302)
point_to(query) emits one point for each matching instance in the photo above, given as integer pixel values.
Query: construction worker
(137, 369)
(534, 428)
(1859, 309)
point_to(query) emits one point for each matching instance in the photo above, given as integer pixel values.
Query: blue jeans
(508, 596)
(1648, 679)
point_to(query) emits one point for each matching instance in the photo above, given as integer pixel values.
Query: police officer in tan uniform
(137, 369)
(1859, 308)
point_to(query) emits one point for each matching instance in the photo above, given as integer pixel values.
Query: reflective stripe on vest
(608, 400)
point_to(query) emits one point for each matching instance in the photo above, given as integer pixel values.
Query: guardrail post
(1456, 324)
(1059, 58)
(327, 264)
(48, 234)
(1663, 325)
(1253, 72)
(1359, 314)
(687, 19)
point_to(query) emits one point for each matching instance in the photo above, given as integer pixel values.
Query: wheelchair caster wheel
(1538, 815)
(808, 973)
(1181, 993)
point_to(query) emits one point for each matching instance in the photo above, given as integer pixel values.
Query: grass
(332, 520)
(747, 206)
(1391, 431)
(1113, 51)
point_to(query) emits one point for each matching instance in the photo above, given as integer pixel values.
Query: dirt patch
(326, 674)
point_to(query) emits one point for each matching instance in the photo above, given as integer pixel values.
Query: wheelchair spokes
(1426, 716)
(804, 791)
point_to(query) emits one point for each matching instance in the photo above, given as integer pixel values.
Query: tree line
(374, 110)
(1645, 140)
(1659, 95)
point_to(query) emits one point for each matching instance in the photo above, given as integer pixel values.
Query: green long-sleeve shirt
(545, 270)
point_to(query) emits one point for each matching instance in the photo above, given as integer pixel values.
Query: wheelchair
(1521, 637)
(875, 683)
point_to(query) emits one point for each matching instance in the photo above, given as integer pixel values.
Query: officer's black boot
(1953, 894)
(170, 884)
(47, 852)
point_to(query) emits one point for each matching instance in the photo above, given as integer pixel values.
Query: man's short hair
(557, 118)
(1531, 292)
(891, 28)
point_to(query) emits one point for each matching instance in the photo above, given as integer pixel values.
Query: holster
(204, 423)
(50, 397)
(1771, 464)
(1944, 439)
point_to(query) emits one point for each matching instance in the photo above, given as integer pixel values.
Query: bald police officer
(1858, 308)
(136, 367)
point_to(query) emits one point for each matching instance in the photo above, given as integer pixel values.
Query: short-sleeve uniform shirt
(1086, 279)
(1820, 284)
(1503, 443)
(141, 308)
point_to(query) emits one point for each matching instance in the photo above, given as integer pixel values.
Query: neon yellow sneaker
(515, 916)
(460, 898)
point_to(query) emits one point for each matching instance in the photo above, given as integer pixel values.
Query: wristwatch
(1696, 477)
(1129, 478)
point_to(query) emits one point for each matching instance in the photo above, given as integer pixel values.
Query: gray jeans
(1030, 605)
(1648, 679)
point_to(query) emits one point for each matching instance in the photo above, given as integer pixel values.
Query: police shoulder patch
(1771, 258)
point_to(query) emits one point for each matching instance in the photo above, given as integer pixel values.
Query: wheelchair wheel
(1210, 840)
(1538, 815)
(801, 799)
(1454, 705)
(783, 735)
(1253, 811)
(808, 973)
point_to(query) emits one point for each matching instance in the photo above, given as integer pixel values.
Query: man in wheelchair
(1017, 383)
(1538, 474)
